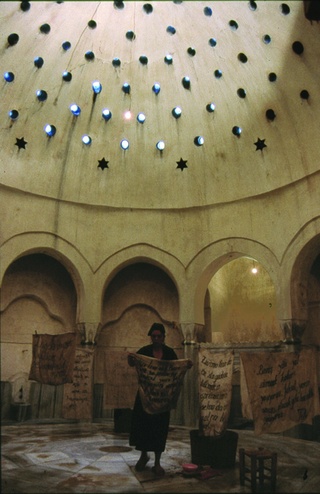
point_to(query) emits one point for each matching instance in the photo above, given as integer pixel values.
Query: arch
(139, 282)
(295, 264)
(299, 278)
(133, 254)
(219, 253)
(45, 243)
(136, 293)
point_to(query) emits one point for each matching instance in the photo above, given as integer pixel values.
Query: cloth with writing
(160, 382)
(53, 358)
(120, 381)
(148, 431)
(215, 390)
(279, 390)
(77, 396)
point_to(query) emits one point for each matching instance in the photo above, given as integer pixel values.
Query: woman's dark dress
(149, 431)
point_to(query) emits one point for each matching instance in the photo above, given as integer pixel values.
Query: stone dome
(255, 61)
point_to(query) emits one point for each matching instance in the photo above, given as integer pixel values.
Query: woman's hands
(131, 359)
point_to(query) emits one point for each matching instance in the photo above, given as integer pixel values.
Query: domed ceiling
(244, 78)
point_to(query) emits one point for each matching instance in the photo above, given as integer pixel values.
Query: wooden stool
(260, 455)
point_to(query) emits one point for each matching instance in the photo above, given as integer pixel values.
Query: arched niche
(305, 293)
(138, 295)
(38, 294)
(312, 332)
(243, 303)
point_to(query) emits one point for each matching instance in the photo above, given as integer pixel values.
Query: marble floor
(92, 458)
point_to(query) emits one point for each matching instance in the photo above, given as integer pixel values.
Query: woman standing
(149, 431)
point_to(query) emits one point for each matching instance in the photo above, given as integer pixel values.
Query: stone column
(89, 332)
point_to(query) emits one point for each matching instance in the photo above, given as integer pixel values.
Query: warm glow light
(128, 115)
(254, 270)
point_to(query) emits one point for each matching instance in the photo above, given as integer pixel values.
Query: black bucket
(122, 419)
(216, 451)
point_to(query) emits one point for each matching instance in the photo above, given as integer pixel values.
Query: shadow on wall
(37, 294)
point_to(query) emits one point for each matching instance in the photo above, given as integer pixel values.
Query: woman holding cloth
(149, 431)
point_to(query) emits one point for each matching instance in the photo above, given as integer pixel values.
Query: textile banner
(53, 358)
(215, 390)
(282, 389)
(120, 381)
(160, 382)
(77, 396)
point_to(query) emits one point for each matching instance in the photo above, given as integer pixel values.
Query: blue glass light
(86, 140)
(124, 144)
(126, 88)
(89, 55)
(218, 73)
(13, 114)
(156, 88)
(13, 39)
(233, 25)
(50, 130)
(243, 57)
(207, 11)
(141, 117)
(199, 141)
(285, 9)
(66, 45)
(191, 51)
(186, 82)
(266, 39)
(160, 145)
(147, 8)
(25, 6)
(45, 28)
(237, 130)
(143, 60)
(171, 30)
(241, 92)
(212, 42)
(270, 114)
(130, 35)
(38, 62)
(252, 5)
(41, 95)
(75, 109)
(210, 107)
(168, 59)
(106, 113)
(67, 76)
(176, 112)
(118, 5)
(116, 62)
(8, 76)
(96, 86)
